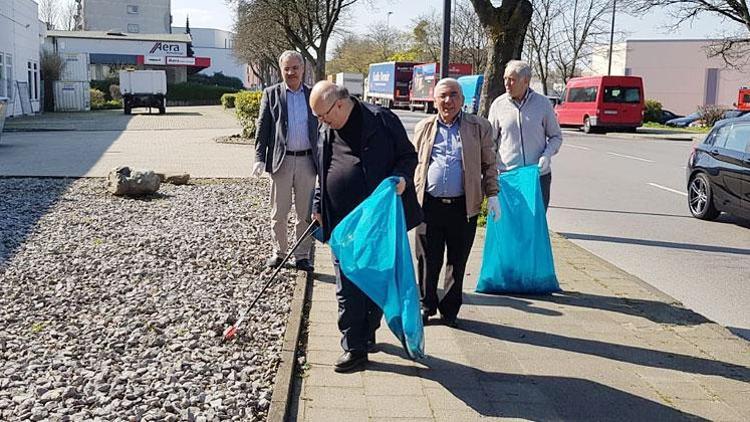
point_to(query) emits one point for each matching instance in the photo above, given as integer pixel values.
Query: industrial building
(681, 74)
(21, 35)
(130, 16)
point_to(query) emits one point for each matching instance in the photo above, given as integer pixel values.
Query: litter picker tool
(231, 332)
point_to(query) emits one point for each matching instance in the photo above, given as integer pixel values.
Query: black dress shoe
(449, 321)
(426, 315)
(273, 261)
(350, 361)
(304, 265)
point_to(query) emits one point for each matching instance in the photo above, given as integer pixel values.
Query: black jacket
(270, 136)
(386, 151)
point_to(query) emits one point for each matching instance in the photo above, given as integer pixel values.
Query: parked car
(732, 114)
(718, 172)
(598, 103)
(667, 115)
(554, 100)
(684, 121)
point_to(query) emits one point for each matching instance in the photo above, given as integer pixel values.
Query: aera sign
(167, 49)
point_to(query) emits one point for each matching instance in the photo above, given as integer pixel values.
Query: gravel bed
(113, 308)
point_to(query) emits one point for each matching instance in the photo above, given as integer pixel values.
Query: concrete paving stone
(513, 391)
(324, 376)
(317, 414)
(402, 419)
(462, 399)
(526, 411)
(462, 416)
(324, 329)
(713, 410)
(682, 391)
(323, 316)
(392, 385)
(398, 407)
(495, 360)
(377, 367)
(327, 343)
(333, 397)
(387, 358)
(322, 357)
(738, 401)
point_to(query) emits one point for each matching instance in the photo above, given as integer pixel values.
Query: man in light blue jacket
(525, 125)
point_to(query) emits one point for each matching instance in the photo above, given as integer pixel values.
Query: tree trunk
(506, 29)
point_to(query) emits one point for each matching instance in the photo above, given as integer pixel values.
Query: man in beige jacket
(456, 170)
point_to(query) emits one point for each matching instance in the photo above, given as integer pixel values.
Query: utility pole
(446, 39)
(611, 37)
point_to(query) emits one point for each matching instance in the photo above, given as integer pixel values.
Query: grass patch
(694, 129)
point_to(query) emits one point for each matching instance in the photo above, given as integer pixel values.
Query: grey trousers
(293, 182)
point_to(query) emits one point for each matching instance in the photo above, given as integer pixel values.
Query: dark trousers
(546, 182)
(359, 317)
(446, 228)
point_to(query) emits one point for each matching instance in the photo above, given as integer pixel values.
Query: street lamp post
(388, 20)
(612, 36)
(446, 39)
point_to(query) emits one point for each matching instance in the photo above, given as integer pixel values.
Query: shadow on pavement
(533, 397)
(622, 353)
(656, 243)
(659, 312)
(621, 212)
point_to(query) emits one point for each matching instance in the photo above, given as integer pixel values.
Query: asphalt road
(624, 200)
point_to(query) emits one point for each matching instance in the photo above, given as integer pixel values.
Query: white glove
(544, 163)
(493, 207)
(258, 169)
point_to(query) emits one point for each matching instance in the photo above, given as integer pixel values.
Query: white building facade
(680, 74)
(129, 16)
(219, 46)
(21, 34)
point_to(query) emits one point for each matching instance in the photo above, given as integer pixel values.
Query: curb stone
(283, 382)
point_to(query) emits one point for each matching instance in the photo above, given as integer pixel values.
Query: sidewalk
(608, 348)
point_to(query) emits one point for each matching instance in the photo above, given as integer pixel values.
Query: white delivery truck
(143, 88)
(353, 82)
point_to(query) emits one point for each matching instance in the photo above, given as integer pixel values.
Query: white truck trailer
(353, 82)
(143, 88)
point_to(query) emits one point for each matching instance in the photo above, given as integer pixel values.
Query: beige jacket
(480, 170)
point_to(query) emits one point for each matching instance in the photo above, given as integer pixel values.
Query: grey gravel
(113, 308)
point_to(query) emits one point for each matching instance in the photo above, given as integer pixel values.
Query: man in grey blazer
(285, 147)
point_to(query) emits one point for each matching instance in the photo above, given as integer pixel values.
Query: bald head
(331, 104)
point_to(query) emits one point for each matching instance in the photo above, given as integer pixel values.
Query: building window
(133, 10)
(9, 76)
(2, 75)
(134, 28)
(33, 78)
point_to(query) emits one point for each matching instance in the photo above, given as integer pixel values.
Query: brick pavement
(609, 347)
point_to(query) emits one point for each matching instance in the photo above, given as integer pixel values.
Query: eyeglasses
(322, 116)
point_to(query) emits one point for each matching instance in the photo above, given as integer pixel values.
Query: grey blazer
(270, 137)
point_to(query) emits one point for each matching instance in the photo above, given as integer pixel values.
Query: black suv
(718, 172)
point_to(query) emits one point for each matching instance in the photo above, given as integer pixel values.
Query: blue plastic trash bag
(373, 252)
(517, 251)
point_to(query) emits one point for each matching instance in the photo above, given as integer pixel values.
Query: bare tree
(387, 40)
(540, 39)
(426, 37)
(69, 10)
(505, 26)
(49, 13)
(307, 24)
(584, 24)
(734, 47)
(259, 45)
(468, 39)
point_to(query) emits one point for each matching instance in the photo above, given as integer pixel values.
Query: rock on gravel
(113, 308)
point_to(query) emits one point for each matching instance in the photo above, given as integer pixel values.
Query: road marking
(631, 157)
(576, 146)
(667, 189)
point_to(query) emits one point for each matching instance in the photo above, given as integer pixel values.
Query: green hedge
(227, 100)
(192, 91)
(652, 112)
(247, 108)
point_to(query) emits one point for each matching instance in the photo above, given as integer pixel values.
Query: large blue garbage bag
(517, 251)
(373, 252)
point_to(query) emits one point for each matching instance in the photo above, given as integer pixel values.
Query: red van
(598, 103)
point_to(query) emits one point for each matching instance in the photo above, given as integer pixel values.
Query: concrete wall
(153, 16)
(20, 38)
(675, 72)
